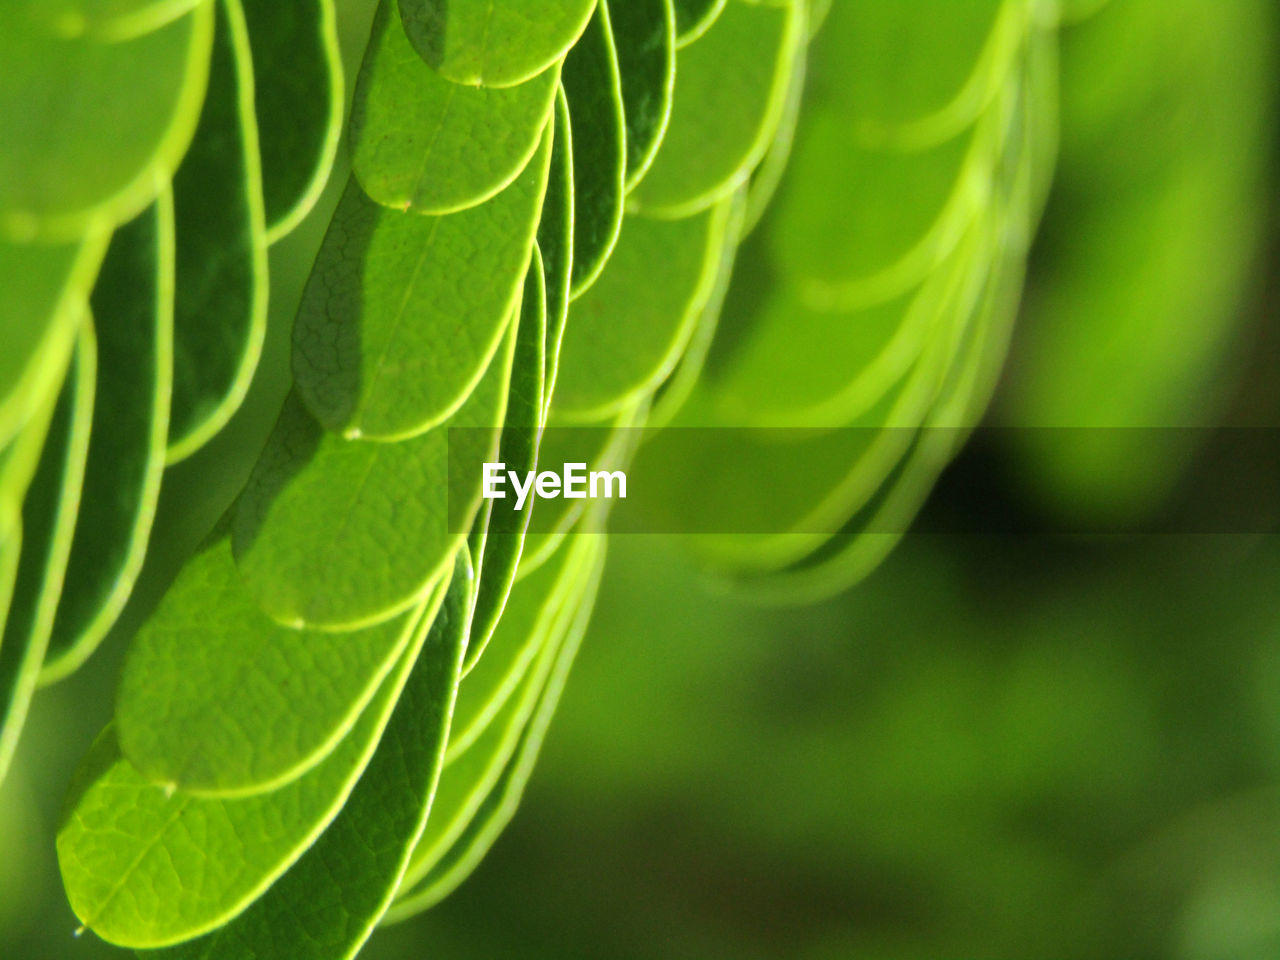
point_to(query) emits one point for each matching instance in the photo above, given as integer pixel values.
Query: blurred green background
(1020, 745)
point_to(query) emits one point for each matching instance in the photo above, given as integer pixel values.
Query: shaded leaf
(48, 522)
(298, 99)
(336, 534)
(403, 313)
(593, 89)
(220, 305)
(133, 306)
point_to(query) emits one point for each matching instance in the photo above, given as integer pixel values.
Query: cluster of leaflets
(144, 173)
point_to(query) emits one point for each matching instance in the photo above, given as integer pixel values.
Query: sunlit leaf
(377, 350)
(425, 144)
(218, 699)
(518, 450)
(626, 333)
(136, 855)
(336, 533)
(326, 906)
(125, 114)
(482, 43)
(730, 96)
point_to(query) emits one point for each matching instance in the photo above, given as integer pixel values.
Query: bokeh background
(1020, 744)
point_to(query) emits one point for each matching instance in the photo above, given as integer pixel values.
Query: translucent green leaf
(695, 17)
(216, 698)
(21, 456)
(425, 144)
(555, 242)
(471, 772)
(106, 20)
(675, 390)
(520, 634)
(873, 531)
(337, 534)
(592, 86)
(626, 334)
(767, 177)
(518, 449)
(466, 781)
(1164, 155)
(946, 67)
(48, 522)
(730, 96)
(499, 805)
(326, 906)
(601, 446)
(483, 43)
(644, 36)
(845, 362)
(10, 553)
(298, 96)
(146, 867)
(377, 350)
(46, 288)
(125, 114)
(220, 307)
(133, 304)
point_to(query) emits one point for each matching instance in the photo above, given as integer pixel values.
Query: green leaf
(768, 176)
(676, 389)
(592, 86)
(555, 243)
(48, 522)
(498, 806)
(326, 906)
(601, 446)
(844, 364)
(46, 288)
(425, 144)
(518, 449)
(472, 771)
(133, 304)
(521, 633)
(220, 306)
(483, 43)
(298, 98)
(1184, 228)
(873, 531)
(695, 17)
(644, 33)
(10, 553)
(147, 867)
(217, 699)
(730, 97)
(125, 114)
(377, 351)
(21, 456)
(337, 534)
(107, 20)
(946, 69)
(626, 334)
